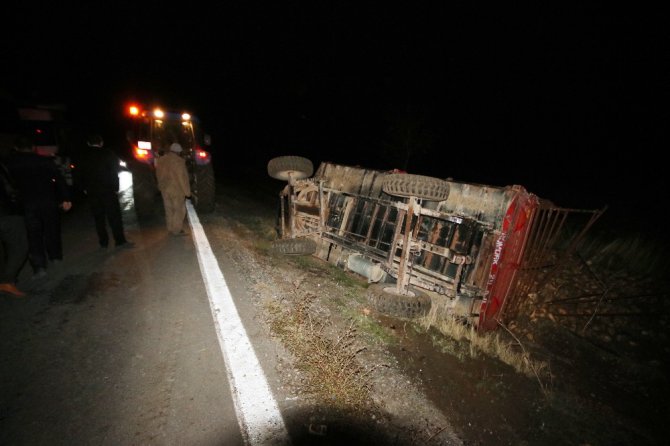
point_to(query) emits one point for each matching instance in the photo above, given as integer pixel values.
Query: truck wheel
(419, 186)
(296, 167)
(144, 193)
(294, 246)
(384, 299)
(204, 187)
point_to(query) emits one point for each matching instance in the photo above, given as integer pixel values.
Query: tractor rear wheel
(204, 188)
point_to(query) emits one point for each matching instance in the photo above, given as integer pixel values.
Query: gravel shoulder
(392, 409)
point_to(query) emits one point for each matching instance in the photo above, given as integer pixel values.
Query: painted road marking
(257, 412)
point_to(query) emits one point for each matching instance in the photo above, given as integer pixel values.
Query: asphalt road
(115, 346)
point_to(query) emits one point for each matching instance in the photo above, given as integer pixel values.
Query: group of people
(34, 192)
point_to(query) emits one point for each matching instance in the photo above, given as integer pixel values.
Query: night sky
(569, 101)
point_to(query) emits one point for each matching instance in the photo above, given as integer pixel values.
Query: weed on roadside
(464, 340)
(369, 327)
(328, 359)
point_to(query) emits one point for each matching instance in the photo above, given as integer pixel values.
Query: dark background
(569, 101)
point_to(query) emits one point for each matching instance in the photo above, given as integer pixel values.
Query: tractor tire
(145, 192)
(294, 246)
(419, 186)
(204, 188)
(285, 167)
(385, 300)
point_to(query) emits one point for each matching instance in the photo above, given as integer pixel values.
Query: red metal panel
(506, 257)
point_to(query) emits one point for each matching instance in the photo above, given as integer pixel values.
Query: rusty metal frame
(469, 252)
(542, 257)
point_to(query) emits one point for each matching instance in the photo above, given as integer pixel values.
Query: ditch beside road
(538, 381)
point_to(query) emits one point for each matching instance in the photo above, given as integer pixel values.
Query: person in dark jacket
(99, 172)
(44, 192)
(13, 240)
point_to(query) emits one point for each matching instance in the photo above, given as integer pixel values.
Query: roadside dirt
(605, 383)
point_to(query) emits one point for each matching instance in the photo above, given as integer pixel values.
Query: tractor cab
(149, 134)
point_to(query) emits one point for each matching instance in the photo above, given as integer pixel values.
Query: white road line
(257, 412)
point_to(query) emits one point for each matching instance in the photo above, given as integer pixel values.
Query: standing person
(43, 191)
(99, 170)
(175, 188)
(13, 240)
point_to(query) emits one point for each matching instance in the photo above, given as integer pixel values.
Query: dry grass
(504, 346)
(328, 358)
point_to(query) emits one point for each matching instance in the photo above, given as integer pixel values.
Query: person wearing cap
(175, 188)
(99, 175)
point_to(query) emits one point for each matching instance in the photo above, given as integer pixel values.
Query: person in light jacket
(175, 188)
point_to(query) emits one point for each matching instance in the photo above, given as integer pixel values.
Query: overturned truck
(419, 240)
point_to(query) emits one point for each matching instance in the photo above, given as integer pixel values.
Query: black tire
(294, 246)
(296, 167)
(145, 193)
(419, 186)
(385, 300)
(204, 188)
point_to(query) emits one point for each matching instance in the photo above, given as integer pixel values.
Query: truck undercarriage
(420, 241)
